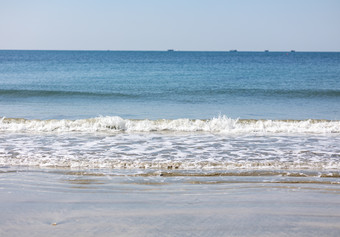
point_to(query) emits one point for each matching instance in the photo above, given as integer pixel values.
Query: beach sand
(47, 202)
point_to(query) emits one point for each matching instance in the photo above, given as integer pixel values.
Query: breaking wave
(221, 124)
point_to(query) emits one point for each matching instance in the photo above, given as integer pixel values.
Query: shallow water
(196, 152)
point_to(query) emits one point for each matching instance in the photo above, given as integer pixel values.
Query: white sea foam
(221, 124)
(164, 151)
(219, 143)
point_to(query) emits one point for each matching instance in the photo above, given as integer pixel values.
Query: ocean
(173, 128)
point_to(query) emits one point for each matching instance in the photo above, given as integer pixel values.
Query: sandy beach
(48, 202)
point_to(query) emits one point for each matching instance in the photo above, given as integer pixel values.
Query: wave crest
(221, 124)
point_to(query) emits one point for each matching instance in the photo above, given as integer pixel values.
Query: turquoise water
(169, 85)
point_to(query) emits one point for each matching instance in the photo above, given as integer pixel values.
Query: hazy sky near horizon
(256, 25)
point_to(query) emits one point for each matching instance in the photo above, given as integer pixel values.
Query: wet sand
(46, 202)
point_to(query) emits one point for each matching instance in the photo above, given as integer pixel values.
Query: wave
(303, 93)
(296, 93)
(219, 125)
(182, 168)
(56, 93)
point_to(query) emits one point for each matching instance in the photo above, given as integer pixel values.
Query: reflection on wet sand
(58, 202)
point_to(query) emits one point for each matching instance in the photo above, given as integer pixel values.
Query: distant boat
(170, 50)
(266, 51)
(292, 51)
(233, 50)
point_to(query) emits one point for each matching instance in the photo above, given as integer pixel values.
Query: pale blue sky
(256, 25)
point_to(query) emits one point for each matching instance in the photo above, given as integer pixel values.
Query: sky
(188, 25)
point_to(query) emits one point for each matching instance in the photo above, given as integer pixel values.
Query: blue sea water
(169, 85)
(196, 111)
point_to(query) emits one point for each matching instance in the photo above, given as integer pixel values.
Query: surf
(216, 125)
